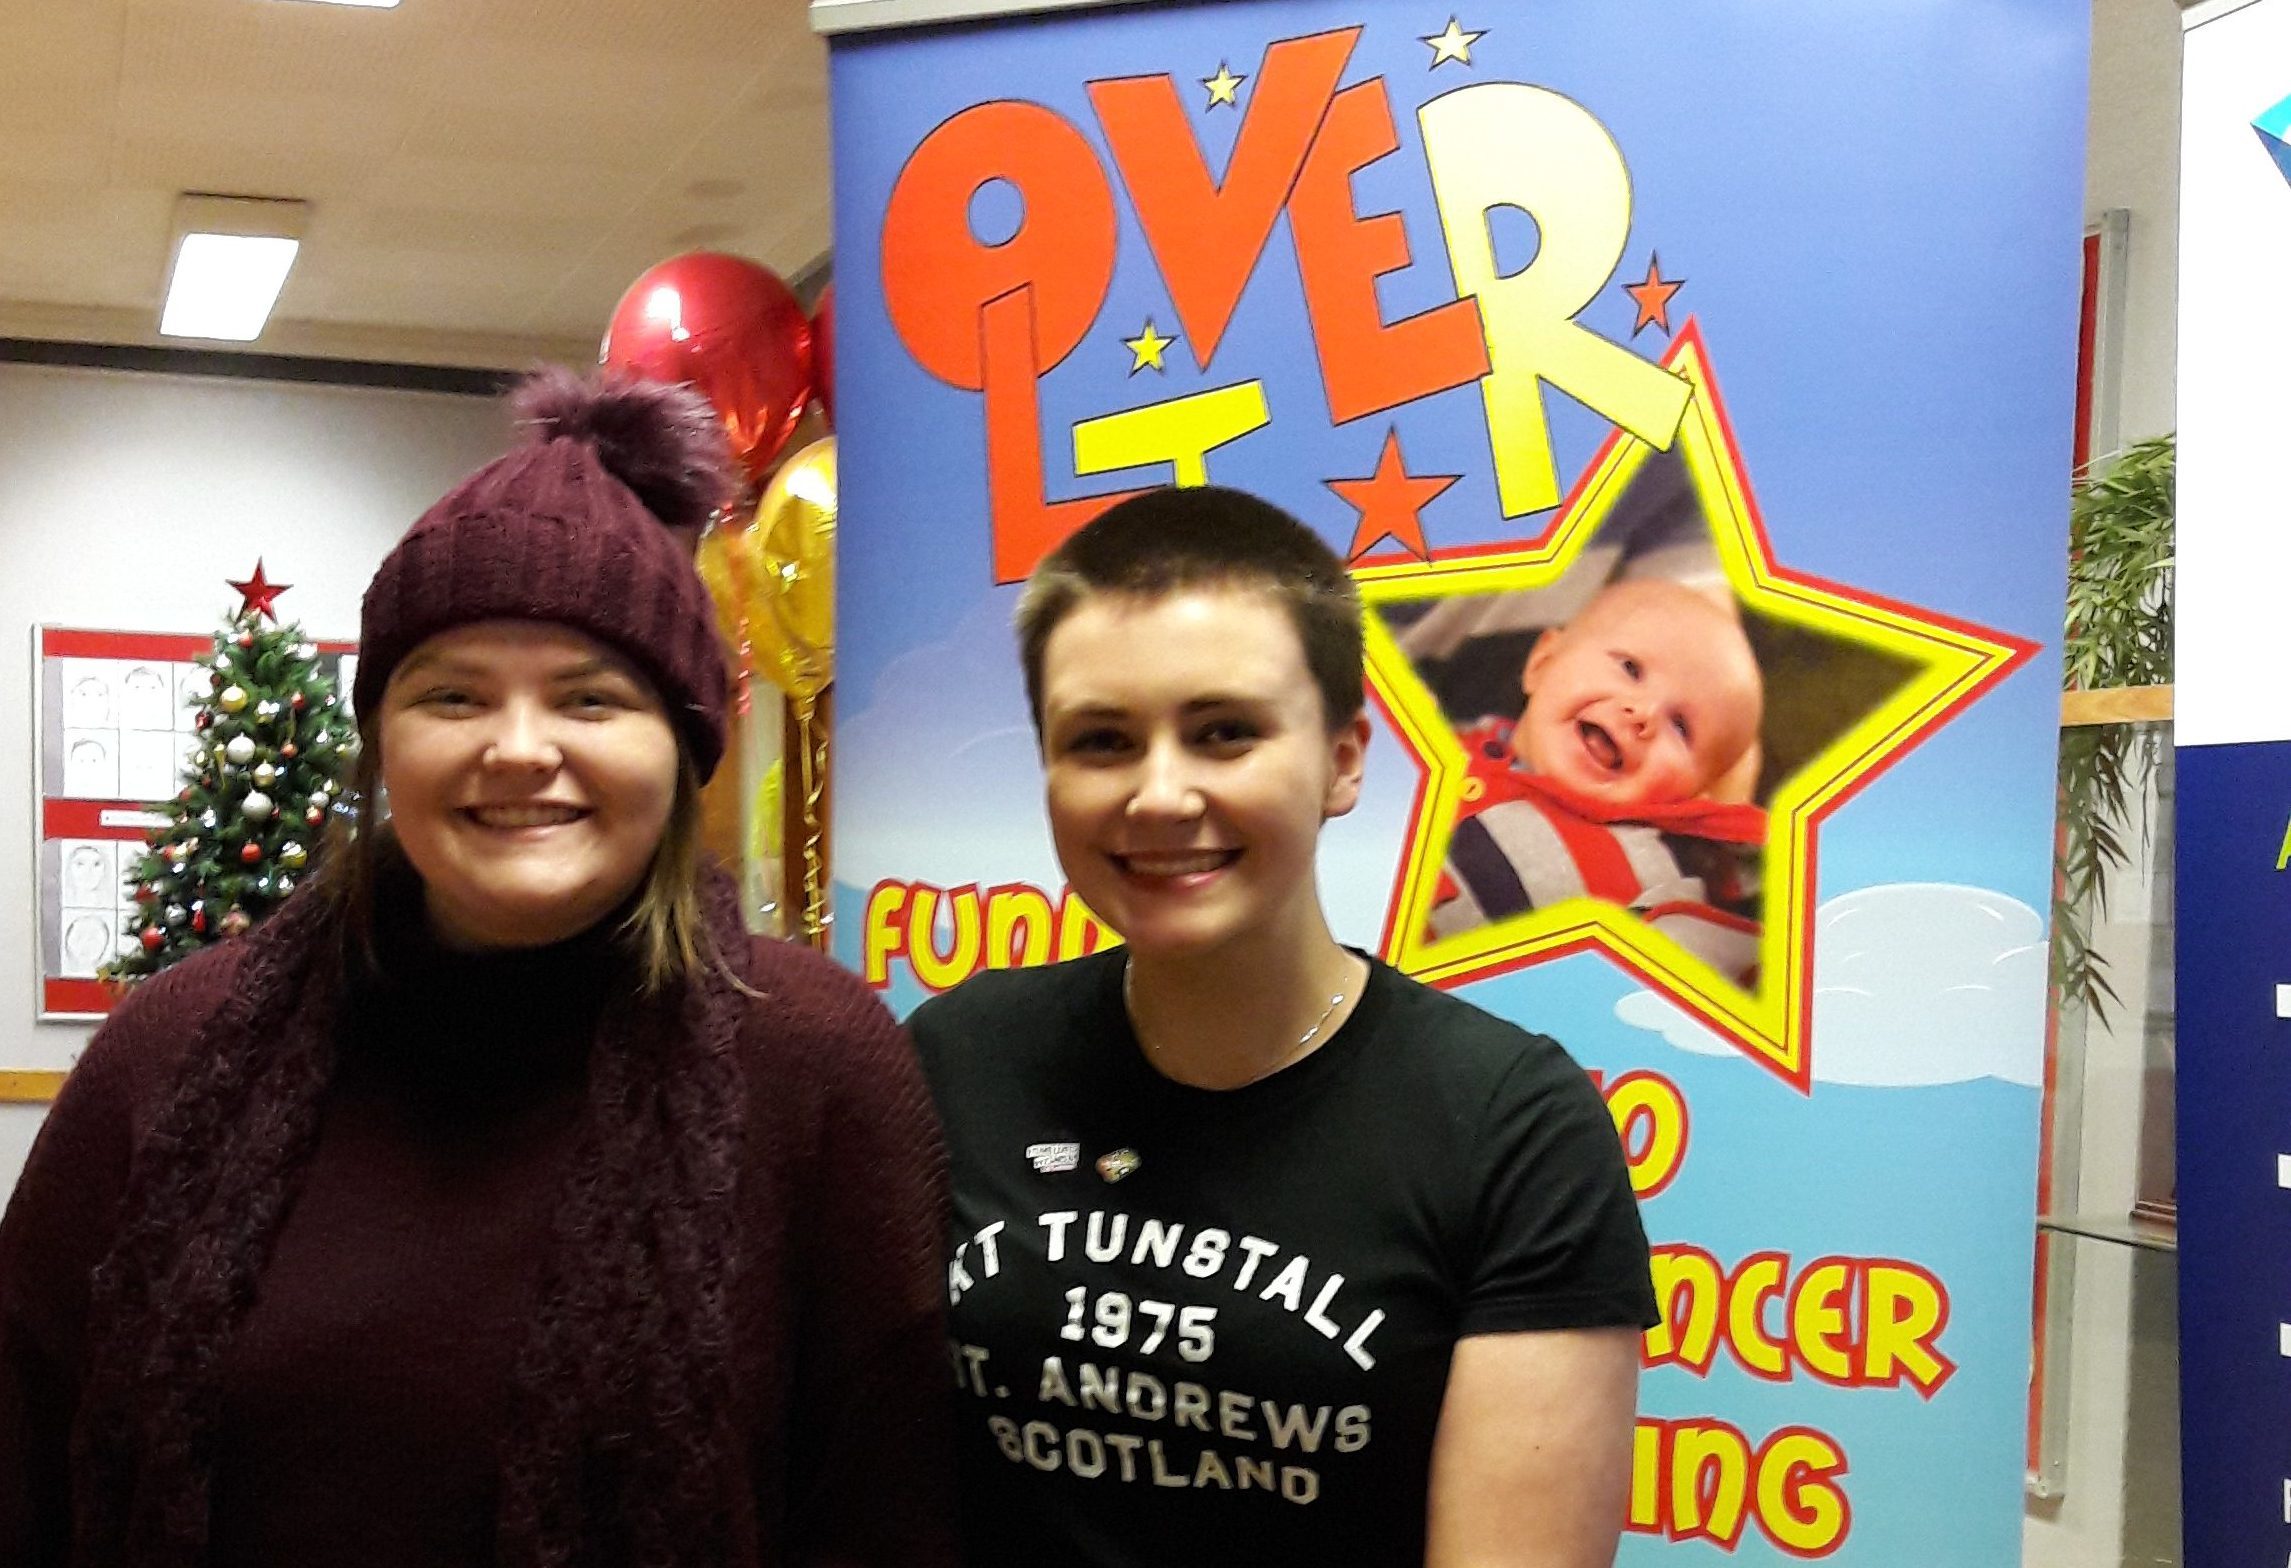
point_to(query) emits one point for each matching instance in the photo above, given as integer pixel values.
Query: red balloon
(823, 350)
(732, 331)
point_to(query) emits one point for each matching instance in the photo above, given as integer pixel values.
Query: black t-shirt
(1213, 1327)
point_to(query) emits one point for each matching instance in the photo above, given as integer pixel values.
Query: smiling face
(530, 772)
(1647, 698)
(1189, 767)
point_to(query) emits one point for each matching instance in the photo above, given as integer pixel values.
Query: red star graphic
(257, 594)
(1390, 501)
(1653, 297)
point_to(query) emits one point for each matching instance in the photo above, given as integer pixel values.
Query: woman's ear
(1348, 759)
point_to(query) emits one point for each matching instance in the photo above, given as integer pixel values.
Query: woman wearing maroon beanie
(499, 1200)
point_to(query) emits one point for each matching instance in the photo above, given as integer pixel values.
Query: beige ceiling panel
(635, 91)
(282, 145)
(68, 157)
(794, 240)
(402, 264)
(527, 187)
(772, 146)
(700, 29)
(761, 145)
(785, 150)
(100, 248)
(54, 65)
(795, 76)
(777, 162)
(292, 122)
(63, 15)
(258, 47)
(372, 228)
(587, 286)
(439, 294)
(231, 167)
(574, 134)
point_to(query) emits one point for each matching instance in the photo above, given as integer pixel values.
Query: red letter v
(1206, 237)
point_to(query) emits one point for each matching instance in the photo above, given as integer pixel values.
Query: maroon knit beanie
(573, 527)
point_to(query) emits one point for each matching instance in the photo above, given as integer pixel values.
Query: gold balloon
(791, 550)
(723, 566)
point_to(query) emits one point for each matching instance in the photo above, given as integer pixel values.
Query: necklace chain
(1129, 1005)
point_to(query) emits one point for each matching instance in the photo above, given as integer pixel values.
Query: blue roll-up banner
(2234, 1109)
(1773, 298)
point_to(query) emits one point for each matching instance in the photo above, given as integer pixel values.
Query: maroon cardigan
(363, 1396)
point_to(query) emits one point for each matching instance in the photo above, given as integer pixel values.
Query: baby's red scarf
(1488, 745)
(1727, 822)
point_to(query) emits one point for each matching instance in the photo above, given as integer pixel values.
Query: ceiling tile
(476, 167)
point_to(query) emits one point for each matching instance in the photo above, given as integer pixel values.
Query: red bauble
(146, 893)
(199, 921)
(201, 719)
(823, 351)
(288, 751)
(152, 937)
(251, 852)
(246, 639)
(732, 331)
(314, 816)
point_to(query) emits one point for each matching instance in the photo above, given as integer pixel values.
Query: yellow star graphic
(1223, 86)
(1146, 348)
(1943, 666)
(1454, 44)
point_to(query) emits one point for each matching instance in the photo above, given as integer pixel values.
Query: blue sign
(2234, 1107)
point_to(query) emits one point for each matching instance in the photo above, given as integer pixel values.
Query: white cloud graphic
(1914, 984)
(937, 778)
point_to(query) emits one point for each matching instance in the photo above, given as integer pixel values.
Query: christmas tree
(273, 745)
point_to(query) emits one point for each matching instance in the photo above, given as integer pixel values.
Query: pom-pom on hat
(573, 527)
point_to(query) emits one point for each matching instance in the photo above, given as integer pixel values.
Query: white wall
(2233, 551)
(2133, 163)
(126, 499)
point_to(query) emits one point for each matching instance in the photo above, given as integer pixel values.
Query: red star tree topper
(258, 595)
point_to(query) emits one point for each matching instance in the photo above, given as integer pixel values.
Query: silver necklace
(1129, 1005)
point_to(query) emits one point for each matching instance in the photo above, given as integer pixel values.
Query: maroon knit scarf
(623, 1445)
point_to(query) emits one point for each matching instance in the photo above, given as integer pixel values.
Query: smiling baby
(1640, 713)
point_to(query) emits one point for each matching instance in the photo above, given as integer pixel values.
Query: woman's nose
(1165, 786)
(523, 738)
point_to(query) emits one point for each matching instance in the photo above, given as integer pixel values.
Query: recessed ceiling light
(232, 254)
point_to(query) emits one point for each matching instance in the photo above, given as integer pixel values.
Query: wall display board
(111, 728)
(2233, 732)
(1777, 301)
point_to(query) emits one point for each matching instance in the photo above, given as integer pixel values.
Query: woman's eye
(1227, 732)
(1095, 743)
(592, 702)
(446, 697)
